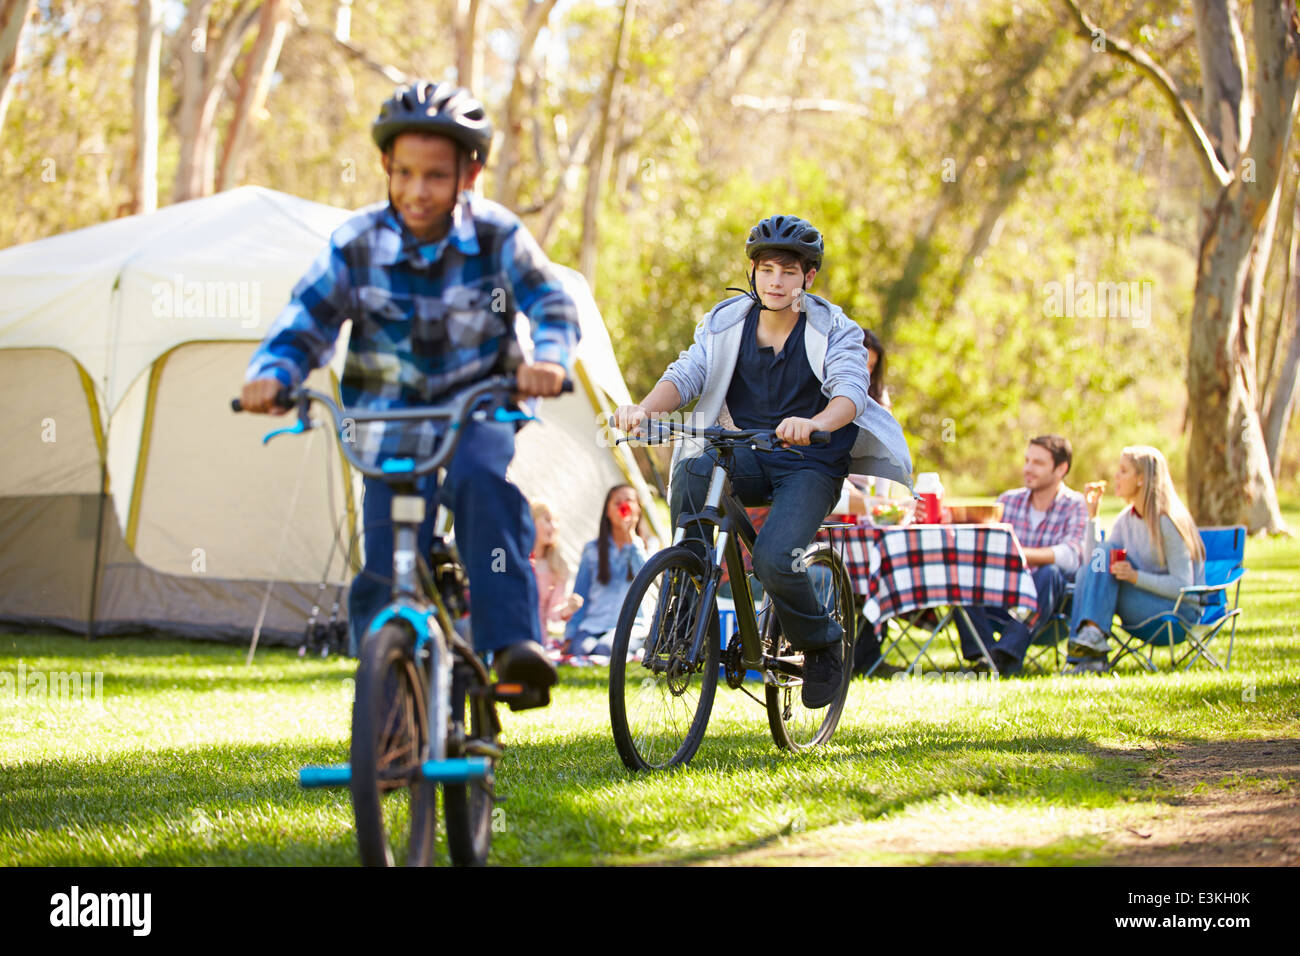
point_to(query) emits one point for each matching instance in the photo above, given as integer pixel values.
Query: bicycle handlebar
(764, 437)
(455, 412)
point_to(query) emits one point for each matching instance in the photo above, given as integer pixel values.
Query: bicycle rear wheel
(659, 706)
(395, 808)
(794, 726)
(468, 806)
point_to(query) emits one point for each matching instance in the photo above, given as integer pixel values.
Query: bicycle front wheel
(794, 726)
(395, 807)
(659, 705)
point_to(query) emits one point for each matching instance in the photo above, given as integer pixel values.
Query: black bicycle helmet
(435, 108)
(787, 234)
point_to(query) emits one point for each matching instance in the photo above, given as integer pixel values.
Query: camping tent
(132, 498)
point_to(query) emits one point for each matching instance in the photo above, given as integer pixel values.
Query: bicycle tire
(795, 727)
(658, 712)
(395, 809)
(468, 807)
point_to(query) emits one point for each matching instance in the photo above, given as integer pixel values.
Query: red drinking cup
(1117, 555)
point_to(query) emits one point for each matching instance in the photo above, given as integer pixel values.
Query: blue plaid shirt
(427, 319)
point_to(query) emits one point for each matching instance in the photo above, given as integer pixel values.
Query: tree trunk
(148, 50)
(512, 127)
(1281, 403)
(600, 150)
(206, 62)
(465, 25)
(1229, 477)
(1273, 336)
(13, 19)
(253, 87)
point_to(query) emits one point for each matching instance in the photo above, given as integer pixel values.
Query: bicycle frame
(416, 600)
(723, 512)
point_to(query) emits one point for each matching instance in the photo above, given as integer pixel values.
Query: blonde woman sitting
(1163, 553)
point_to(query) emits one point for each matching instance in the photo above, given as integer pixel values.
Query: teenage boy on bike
(431, 280)
(781, 358)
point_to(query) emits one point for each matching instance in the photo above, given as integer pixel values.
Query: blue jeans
(800, 497)
(494, 534)
(1099, 596)
(1049, 582)
(1014, 636)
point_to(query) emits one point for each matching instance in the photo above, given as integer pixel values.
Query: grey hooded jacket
(838, 359)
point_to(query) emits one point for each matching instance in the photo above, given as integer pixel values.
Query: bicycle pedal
(520, 696)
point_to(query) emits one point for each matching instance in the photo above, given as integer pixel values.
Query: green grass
(191, 758)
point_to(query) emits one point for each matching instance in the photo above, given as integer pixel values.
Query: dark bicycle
(424, 711)
(661, 695)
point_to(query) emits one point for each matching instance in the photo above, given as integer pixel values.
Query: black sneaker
(525, 663)
(823, 670)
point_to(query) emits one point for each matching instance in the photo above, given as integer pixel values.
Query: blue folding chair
(1225, 551)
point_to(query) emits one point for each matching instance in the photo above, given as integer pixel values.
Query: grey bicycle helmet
(787, 234)
(439, 108)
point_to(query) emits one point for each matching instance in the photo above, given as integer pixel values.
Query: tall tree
(144, 170)
(209, 52)
(466, 26)
(512, 124)
(1240, 141)
(254, 83)
(13, 18)
(602, 148)
(1281, 400)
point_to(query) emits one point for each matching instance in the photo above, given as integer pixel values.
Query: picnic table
(921, 577)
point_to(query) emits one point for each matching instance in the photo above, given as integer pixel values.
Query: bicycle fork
(717, 512)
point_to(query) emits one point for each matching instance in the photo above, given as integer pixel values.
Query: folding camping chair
(1225, 550)
(1044, 651)
(908, 637)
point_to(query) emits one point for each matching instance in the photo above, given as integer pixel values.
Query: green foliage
(894, 101)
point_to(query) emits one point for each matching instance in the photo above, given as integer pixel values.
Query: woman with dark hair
(608, 565)
(876, 369)
(855, 498)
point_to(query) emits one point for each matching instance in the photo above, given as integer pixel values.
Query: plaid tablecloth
(905, 569)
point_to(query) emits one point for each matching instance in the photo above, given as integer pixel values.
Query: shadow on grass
(569, 802)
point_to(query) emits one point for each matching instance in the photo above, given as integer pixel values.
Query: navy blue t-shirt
(768, 388)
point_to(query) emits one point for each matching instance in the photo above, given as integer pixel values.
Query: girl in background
(609, 563)
(553, 606)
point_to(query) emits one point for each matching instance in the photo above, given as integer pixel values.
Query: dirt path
(1234, 804)
(1220, 804)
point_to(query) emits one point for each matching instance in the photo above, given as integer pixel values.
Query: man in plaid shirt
(1050, 521)
(431, 280)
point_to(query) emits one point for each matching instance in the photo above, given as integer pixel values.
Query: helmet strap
(752, 291)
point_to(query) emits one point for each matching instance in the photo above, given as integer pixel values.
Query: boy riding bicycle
(781, 358)
(431, 280)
